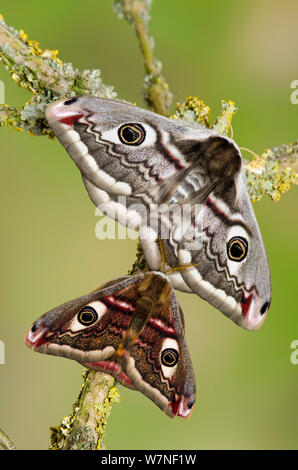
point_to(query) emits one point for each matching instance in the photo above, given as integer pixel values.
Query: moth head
(113, 123)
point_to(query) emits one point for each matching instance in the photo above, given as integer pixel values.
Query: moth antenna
(250, 151)
(183, 267)
(162, 254)
(231, 130)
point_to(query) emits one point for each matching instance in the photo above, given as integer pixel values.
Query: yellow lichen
(51, 54)
(103, 410)
(34, 49)
(200, 111)
(23, 35)
(32, 45)
(270, 173)
(222, 124)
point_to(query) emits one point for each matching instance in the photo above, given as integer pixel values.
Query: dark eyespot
(264, 308)
(237, 248)
(68, 102)
(190, 404)
(34, 327)
(169, 357)
(87, 316)
(131, 134)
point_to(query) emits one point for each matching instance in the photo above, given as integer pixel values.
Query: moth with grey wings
(143, 169)
(133, 329)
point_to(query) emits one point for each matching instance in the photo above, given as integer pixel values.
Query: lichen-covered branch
(5, 442)
(273, 172)
(156, 89)
(84, 429)
(45, 76)
(270, 173)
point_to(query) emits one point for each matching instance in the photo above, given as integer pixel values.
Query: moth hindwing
(132, 329)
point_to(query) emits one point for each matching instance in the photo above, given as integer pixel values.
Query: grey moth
(179, 183)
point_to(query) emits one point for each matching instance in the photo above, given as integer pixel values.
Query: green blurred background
(247, 386)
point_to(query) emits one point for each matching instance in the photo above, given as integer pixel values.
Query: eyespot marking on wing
(77, 325)
(169, 357)
(147, 135)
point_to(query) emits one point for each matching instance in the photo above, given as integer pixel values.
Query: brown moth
(132, 328)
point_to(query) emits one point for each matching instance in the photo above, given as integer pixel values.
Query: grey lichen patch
(45, 76)
(94, 85)
(29, 118)
(273, 172)
(82, 439)
(156, 91)
(123, 9)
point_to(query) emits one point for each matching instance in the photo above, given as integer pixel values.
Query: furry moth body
(134, 161)
(133, 329)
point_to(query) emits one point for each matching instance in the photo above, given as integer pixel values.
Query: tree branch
(156, 89)
(45, 76)
(273, 172)
(5, 442)
(84, 429)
